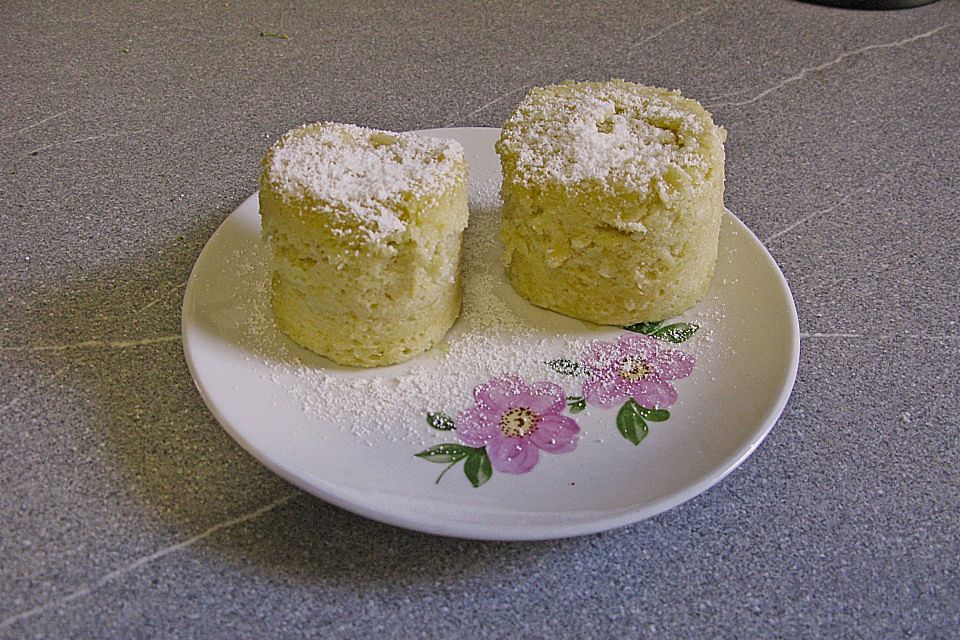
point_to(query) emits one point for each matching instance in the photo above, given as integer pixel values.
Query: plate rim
(330, 493)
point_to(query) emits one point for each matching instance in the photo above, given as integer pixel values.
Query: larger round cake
(613, 193)
(365, 228)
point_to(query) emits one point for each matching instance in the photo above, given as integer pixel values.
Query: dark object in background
(873, 4)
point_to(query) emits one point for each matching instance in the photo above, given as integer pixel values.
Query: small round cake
(366, 228)
(612, 194)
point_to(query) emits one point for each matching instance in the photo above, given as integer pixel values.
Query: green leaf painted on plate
(566, 367)
(444, 453)
(677, 332)
(653, 415)
(477, 468)
(630, 422)
(645, 328)
(441, 421)
(576, 404)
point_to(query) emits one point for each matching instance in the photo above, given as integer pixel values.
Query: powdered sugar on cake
(613, 136)
(361, 176)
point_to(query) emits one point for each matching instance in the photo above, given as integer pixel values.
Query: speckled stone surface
(129, 133)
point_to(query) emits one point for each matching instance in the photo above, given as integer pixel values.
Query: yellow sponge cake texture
(365, 228)
(613, 194)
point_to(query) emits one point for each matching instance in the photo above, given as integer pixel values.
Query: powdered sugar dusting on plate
(495, 334)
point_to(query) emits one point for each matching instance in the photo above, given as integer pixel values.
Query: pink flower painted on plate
(515, 421)
(635, 366)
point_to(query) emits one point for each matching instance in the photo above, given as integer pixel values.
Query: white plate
(349, 436)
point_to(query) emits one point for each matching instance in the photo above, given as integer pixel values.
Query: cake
(365, 228)
(612, 193)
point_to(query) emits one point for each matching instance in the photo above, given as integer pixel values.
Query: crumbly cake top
(613, 135)
(362, 175)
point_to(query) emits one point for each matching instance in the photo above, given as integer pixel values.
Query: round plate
(352, 436)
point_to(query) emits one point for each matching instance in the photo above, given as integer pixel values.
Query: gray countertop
(130, 133)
